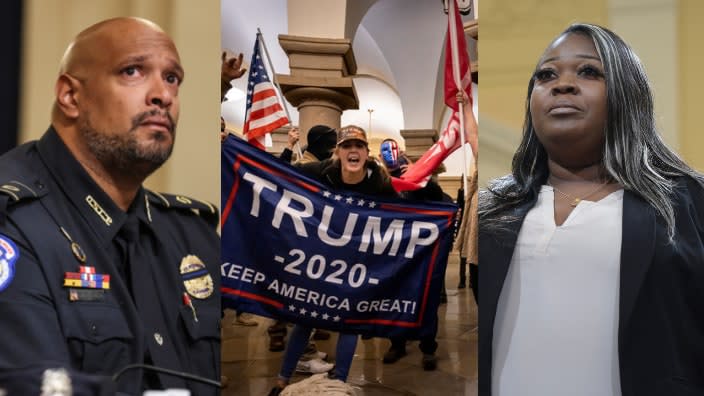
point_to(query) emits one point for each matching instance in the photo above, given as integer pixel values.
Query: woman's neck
(589, 173)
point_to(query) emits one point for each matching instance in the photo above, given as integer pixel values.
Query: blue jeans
(297, 342)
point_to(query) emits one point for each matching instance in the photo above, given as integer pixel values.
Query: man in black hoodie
(321, 143)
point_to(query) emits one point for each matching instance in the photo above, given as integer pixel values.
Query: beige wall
(691, 81)
(194, 168)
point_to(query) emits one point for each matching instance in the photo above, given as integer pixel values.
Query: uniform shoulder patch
(8, 255)
(204, 209)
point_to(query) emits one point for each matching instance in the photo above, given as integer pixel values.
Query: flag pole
(369, 129)
(452, 23)
(279, 95)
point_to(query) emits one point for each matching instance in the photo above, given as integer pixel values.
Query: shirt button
(158, 338)
(93, 329)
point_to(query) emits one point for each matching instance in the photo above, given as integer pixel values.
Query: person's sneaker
(429, 362)
(393, 355)
(318, 355)
(312, 352)
(332, 375)
(315, 355)
(313, 366)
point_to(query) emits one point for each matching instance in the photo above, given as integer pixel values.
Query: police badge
(56, 382)
(195, 277)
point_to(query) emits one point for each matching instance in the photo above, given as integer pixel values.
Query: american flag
(457, 76)
(264, 112)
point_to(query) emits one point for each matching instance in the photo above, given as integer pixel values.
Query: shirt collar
(94, 205)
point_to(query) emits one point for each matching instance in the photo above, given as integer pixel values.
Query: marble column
(320, 84)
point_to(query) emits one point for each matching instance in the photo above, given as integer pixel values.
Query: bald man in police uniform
(96, 272)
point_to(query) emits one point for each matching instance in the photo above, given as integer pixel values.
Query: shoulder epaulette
(204, 209)
(14, 191)
(18, 191)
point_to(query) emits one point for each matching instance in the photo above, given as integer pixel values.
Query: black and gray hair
(634, 155)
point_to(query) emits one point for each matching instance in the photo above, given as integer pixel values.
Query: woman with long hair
(592, 260)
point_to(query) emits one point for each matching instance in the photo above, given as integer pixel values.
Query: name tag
(75, 294)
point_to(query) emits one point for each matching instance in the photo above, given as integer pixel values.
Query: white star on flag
(291, 307)
(372, 204)
(314, 314)
(336, 318)
(326, 194)
(325, 316)
(338, 197)
(361, 202)
(303, 311)
(349, 200)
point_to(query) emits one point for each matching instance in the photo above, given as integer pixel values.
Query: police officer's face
(129, 106)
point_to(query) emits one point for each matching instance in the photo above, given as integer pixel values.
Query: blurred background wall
(47, 27)
(666, 34)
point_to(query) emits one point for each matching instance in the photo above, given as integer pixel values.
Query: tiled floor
(251, 369)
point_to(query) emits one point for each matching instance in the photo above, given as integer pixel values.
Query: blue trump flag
(297, 250)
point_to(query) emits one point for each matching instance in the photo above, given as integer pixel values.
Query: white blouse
(556, 328)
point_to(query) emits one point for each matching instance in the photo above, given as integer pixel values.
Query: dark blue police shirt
(47, 202)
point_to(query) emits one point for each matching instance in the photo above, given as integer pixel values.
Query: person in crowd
(230, 69)
(396, 162)
(292, 137)
(458, 223)
(466, 240)
(350, 168)
(321, 143)
(466, 237)
(97, 272)
(591, 252)
(312, 361)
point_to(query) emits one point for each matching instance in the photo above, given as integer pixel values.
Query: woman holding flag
(592, 260)
(351, 169)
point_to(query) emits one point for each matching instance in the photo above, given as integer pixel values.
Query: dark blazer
(661, 296)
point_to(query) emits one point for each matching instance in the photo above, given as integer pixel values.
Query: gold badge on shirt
(195, 277)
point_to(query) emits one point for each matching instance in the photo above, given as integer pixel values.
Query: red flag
(458, 76)
(418, 174)
(457, 66)
(264, 111)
